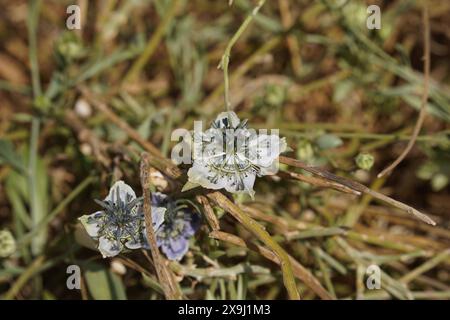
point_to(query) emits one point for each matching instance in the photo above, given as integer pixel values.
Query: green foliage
(102, 283)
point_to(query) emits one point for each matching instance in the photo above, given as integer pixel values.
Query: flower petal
(192, 223)
(92, 223)
(201, 174)
(227, 120)
(135, 243)
(243, 183)
(158, 199)
(235, 182)
(125, 192)
(109, 248)
(266, 148)
(264, 151)
(158, 214)
(175, 248)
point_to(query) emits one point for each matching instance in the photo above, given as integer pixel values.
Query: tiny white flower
(120, 225)
(231, 155)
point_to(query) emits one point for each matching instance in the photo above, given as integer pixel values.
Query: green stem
(32, 173)
(426, 266)
(24, 277)
(226, 55)
(32, 25)
(33, 18)
(153, 43)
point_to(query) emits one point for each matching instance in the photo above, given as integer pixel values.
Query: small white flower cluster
(120, 225)
(230, 156)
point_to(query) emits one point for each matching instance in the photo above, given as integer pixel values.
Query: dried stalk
(209, 213)
(317, 182)
(273, 219)
(356, 186)
(85, 135)
(165, 275)
(413, 274)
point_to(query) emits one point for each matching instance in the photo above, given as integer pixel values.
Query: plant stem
(208, 106)
(24, 277)
(356, 186)
(225, 61)
(32, 26)
(165, 276)
(425, 267)
(153, 42)
(32, 183)
(426, 85)
(33, 19)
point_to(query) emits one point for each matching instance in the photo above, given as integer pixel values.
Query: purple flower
(179, 225)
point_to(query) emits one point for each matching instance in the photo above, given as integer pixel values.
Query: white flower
(229, 155)
(120, 225)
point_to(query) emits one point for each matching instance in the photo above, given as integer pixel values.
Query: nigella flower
(180, 224)
(120, 225)
(229, 155)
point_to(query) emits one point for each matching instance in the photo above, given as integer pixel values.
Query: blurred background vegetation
(345, 97)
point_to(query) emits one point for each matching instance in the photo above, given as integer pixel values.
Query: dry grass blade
(318, 182)
(209, 213)
(356, 186)
(300, 272)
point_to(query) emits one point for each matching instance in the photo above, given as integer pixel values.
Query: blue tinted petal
(124, 191)
(135, 243)
(158, 199)
(158, 214)
(227, 120)
(175, 248)
(109, 248)
(192, 223)
(92, 223)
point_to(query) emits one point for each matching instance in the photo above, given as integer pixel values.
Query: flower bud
(7, 244)
(364, 161)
